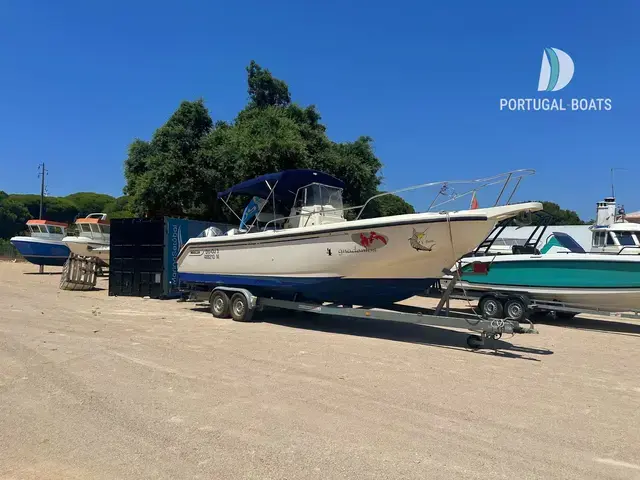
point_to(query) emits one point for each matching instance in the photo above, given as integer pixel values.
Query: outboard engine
(210, 232)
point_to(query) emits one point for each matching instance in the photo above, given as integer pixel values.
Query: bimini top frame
(284, 186)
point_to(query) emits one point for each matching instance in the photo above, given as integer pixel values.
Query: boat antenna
(42, 171)
(613, 194)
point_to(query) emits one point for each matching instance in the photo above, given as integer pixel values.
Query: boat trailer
(240, 304)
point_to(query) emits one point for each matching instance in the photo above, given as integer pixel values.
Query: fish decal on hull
(420, 242)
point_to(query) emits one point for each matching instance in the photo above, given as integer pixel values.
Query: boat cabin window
(599, 239)
(626, 239)
(610, 241)
(95, 228)
(85, 227)
(55, 229)
(106, 229)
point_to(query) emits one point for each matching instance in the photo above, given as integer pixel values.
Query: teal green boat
(561, 272)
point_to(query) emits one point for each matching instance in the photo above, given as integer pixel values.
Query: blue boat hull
(42, 253)
(346, 291)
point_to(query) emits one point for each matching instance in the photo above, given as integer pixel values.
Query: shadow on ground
(619, 326)
(395, 331)
(46, 272)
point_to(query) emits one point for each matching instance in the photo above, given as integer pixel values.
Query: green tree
(179, 173)
(120, 207)
(391, 204)
(165, 176)
(560, 216)
(55, 208)
(13, 216)
(90, 202)
(264, 89)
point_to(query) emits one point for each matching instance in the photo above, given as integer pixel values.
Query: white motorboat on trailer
(315, 254)
(93, 237)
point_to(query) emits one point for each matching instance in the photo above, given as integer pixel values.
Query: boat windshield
(319, 194)
(568, 242)
(626, 239)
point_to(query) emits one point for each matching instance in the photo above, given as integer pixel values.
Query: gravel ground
(93, 386)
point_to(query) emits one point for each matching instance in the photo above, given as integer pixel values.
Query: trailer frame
(241, 304)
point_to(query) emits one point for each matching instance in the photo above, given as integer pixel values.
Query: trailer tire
(491, 307)
(240, 310)
(515, 309)
(219, 302)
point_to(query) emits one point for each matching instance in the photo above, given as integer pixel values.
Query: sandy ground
(93, 386)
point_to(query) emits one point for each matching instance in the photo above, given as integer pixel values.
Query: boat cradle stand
(240, 304)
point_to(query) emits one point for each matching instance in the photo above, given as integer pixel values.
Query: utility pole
(43, 173)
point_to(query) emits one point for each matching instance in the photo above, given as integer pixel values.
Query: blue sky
(80, 80)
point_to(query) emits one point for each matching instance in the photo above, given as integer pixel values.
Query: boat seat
(522, 249)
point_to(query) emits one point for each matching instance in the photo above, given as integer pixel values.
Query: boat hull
(594, 281)
(369, 263)
(40, 251)
(86, 247)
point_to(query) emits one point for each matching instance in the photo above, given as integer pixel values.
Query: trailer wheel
(240, 310)
(514, 309)
(491, 307)
(219, 302)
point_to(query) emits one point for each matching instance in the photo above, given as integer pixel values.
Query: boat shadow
(395, 331)
(57, 272)
(615, 325)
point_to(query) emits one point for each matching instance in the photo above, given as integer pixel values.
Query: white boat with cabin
(94, 234)
(44, 245)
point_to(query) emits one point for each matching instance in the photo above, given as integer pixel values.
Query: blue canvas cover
(288, 183)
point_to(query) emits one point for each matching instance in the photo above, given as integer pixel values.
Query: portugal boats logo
(556, 72)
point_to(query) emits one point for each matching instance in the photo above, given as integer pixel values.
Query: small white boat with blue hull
(299, 245)
(43, 246)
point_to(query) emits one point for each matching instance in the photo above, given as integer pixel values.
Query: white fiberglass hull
(87, 247)
(384, 257)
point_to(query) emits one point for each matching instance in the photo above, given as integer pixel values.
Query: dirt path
(93, 386)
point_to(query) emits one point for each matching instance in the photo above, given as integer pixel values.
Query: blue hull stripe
(52, 254)
(359, 291)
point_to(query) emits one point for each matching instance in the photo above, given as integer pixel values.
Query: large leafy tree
(164, 176)
(190, 158)
(560, 216)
